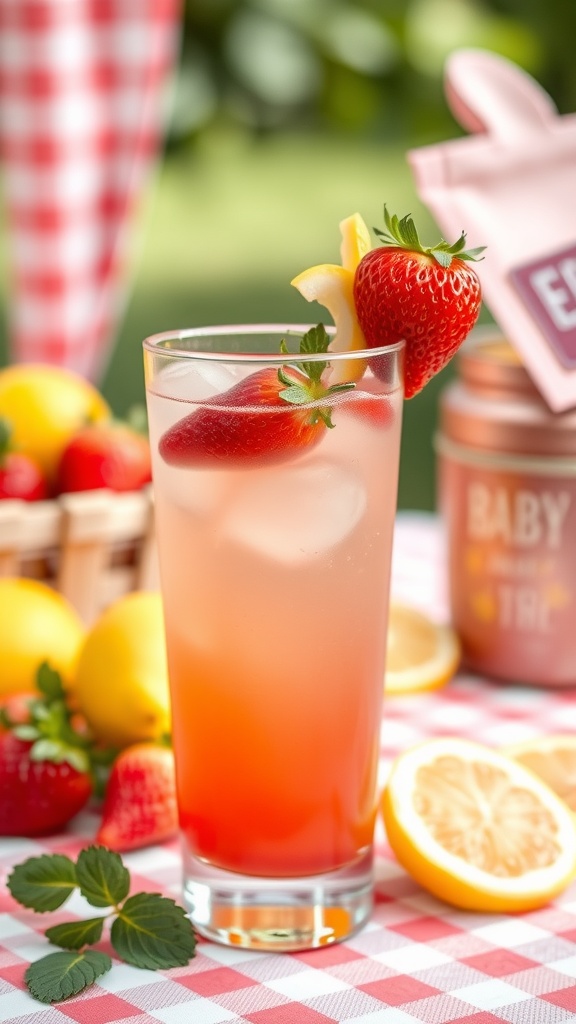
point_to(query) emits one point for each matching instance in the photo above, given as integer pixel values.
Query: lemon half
(421, 654)
(478, 829)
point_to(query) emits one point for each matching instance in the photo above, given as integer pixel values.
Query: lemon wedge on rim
(333, 287)
(355, 242)
(421, 654)
(476, 828)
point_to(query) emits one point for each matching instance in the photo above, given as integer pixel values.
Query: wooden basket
(93, 546)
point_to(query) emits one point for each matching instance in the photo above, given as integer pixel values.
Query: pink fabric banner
(83, 89)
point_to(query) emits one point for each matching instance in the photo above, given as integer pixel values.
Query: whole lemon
(36, 624)
(122, 678)
(45, 405)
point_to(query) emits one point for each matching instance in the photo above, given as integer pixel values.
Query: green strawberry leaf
(295, 394)
(49, 682)
(314, 341)
(61, 975)
(404, 234)
(75, 934)
(102, 877)
(43, 883)
(153, 932)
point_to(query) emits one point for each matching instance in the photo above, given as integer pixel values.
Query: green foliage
(362, 66)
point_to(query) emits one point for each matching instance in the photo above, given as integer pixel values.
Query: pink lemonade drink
(275, 564)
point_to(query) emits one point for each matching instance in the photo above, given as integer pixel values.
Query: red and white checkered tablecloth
(83, 88)
(418, 961)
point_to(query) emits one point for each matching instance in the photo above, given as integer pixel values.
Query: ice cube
(218, 377)
(202, 493)
(195, 380)
(292, 515)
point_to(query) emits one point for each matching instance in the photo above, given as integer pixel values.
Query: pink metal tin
(507, 494)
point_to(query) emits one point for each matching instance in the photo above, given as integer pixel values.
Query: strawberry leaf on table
(76, 934)
(102, 877)
(149, 930)
(61, 975)
(429, 296)
(43, 883)
(153, 932)
(253, 422)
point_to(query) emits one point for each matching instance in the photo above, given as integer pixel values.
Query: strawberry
(45, 772)
(140, 801)
(429, 296)
(106, 454)
(264, 418)
(20, 476)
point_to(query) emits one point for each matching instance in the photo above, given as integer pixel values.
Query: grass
(231, 223)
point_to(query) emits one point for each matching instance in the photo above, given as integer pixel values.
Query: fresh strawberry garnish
(107, 454)
(270, 415)
(20, 476)
(429, 296)
(140, 802)
(45, 767)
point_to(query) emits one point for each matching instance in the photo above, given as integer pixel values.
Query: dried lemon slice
(553, 759)
(421, 654)
(478, 829)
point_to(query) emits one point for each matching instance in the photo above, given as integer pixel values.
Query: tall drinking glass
(274, 564)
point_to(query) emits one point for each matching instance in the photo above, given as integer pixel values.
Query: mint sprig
(147, 930)
(298, 391)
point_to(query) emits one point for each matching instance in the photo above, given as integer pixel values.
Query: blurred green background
(286, 116)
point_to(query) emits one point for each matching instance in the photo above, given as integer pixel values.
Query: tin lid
(494, 406)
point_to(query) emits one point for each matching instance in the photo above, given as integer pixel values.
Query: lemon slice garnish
(333, 287)
(478, 829)
(355, 241)
(421, 654)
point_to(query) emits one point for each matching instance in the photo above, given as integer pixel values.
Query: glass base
(278, 914)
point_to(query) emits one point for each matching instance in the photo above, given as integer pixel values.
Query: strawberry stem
(309, 388)
(403, 234)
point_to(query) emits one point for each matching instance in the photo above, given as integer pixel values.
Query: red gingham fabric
(418, 961)
(83, 89)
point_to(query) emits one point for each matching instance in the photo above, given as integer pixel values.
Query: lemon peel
(333, 287)
(421, 654)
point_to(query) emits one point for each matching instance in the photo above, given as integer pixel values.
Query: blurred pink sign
(510, 186)
(82, 112)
